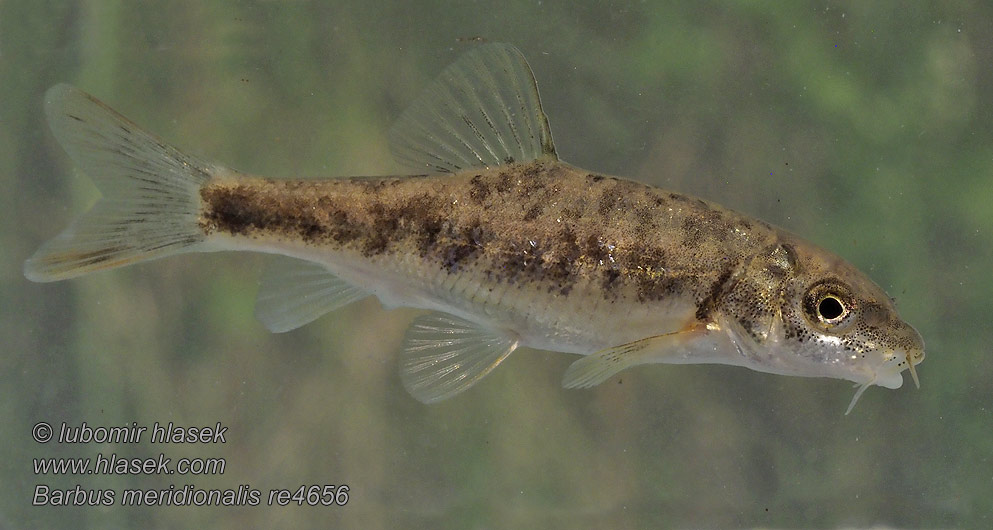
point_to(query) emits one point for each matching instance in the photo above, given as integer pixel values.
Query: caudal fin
(151, 192)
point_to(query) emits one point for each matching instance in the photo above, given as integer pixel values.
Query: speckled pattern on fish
(505, 244)
(545, 224)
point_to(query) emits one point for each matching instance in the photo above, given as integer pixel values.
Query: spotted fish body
(507, 245)
(571, 260)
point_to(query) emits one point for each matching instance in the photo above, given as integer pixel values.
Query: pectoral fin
(444, 355)
(598, 367)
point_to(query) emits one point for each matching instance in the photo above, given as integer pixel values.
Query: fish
(503, 245)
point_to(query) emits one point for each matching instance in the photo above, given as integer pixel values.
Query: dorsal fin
(482, 111)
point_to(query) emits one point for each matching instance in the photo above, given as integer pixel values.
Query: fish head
(798, 309)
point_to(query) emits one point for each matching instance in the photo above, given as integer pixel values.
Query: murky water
(865, 129)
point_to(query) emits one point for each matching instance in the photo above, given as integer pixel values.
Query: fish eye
(828, 305)
(830, 309)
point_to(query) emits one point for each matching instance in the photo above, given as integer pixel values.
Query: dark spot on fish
(478, 190)
(240, 210)
(608, 201)
(415, 216)
(461, 244)
(610, 275)
(596, 250)
(412, 208)
(310, 231)
(568, 245)
(505, 183)
(692, 237)
(385, 222)
(341, 228)
(645, 265)
(232, 210)
(562, 268)
(643, 257)
(721, 285)
(708, 224)
(524, 261)
(572, 213)
(454, 255)
(375, 244)
(374, 187)
(532, 181)
(477, 233)
(431, 228)
(646, 218)
(534, 211)
(508, 160)
(595, 178)
(655, 285)
(704, 224)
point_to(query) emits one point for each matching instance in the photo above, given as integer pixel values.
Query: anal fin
(444, 355)
(295, 292)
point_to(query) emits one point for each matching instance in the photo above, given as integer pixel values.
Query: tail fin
(151, 192)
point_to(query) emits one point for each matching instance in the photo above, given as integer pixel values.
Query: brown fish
(507, 246)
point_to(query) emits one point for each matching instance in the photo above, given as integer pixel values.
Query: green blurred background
(863, 126)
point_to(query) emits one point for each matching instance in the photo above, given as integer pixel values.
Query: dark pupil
(830, 308)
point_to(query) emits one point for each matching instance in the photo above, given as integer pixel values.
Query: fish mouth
(890, 375)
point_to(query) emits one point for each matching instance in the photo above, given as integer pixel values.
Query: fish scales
(505, 244)
(545, 229)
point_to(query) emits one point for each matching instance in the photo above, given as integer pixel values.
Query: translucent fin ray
(444, 355)
(150, 191)
(482, 111)
(296, 292)
(600, 366)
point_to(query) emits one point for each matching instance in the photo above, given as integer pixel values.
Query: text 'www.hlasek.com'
(167, 436)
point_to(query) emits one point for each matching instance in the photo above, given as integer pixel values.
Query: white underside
(577, 324)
